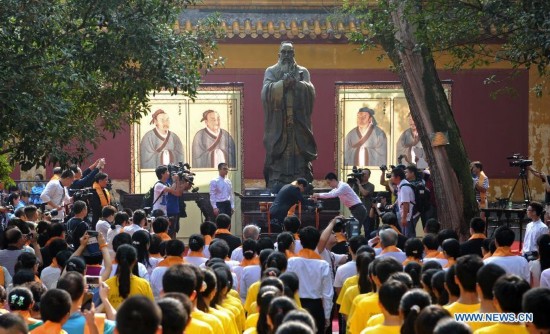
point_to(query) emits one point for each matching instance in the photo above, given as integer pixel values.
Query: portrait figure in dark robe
(160, 146)
(212, 145)
(287, 98)
(409, 148)
(366, 144)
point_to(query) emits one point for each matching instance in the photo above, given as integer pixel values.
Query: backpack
(421, 197)
(148, 200)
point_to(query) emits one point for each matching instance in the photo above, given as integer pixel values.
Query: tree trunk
(431, 112)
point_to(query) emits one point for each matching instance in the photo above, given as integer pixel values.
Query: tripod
(524, 185)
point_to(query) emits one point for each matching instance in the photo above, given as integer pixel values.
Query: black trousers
(360, 213)
(315, 308)
(224, 207)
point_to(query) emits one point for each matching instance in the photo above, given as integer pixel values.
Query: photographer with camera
(175, 207)
(77, 225)
(347, 196)
(365, 190)
(405, 202)
(161, 189)
(16, 241)
(56, 195)
(100, 196)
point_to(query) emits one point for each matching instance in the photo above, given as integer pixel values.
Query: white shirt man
(55, 195)
(221, 192)
(534, 229)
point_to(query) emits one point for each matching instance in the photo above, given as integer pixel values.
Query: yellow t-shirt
(503, 328)
(251, 296)
(210, 319)
(241, 316)
(138, 286)
(251, 330)
(477, 325)
(251, 321)
(347, 300)
(228, 322)
(196, 326)
(365, 309)
(382, 329)
(377, 319)
(457, 307)
(350, 281)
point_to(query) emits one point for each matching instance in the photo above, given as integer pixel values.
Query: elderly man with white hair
(388, 242)
(249, 232)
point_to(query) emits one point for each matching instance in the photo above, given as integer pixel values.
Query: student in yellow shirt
(429, 317)
(181, 278)
(466, 276)
(508, 292)
(138, 314)
(410, 306)
(389, 296)
(277, 310)
(438, 288)
(125, 284)
(174, 316)
(450, 285)
(449, 325)
(486, 278)
(55, 309)
(301, 316)
(265, 296)
(205, 301)
(536, 301)
(383, 268)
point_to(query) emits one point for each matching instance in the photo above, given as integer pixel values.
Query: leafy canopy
(475, 32)
(74, 70)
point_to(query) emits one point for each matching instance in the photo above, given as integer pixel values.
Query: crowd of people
(124, 271)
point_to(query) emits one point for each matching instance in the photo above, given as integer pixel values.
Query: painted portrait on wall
(213, 144)
(160, 145)
(366, 132)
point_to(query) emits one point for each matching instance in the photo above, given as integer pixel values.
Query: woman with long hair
(277, 310)
(412, 303)
(125, 283)
(141, 240)
(543, 262)
(205, 302)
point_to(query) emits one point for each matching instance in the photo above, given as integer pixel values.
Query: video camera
(350, 226)
(356, 174)
(519, 161)
(384, 168)
(83, 194)
(183, 171)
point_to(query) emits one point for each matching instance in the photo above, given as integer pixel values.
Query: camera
(350, 226)
(356, 174)
(83, 194)
(519, 161)
(384, 168)
(7, 209)
(183, 171)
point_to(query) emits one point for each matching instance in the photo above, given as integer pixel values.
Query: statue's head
(286, 53)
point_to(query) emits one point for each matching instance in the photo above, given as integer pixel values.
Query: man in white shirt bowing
(221, 192)
(533, 231)
(347, 196)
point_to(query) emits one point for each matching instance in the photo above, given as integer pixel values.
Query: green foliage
(73, 70)
(5, 171)
(475, 32)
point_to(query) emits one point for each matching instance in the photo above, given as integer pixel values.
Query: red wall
(492, 129)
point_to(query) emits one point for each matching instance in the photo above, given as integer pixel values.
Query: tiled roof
(282, 25)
